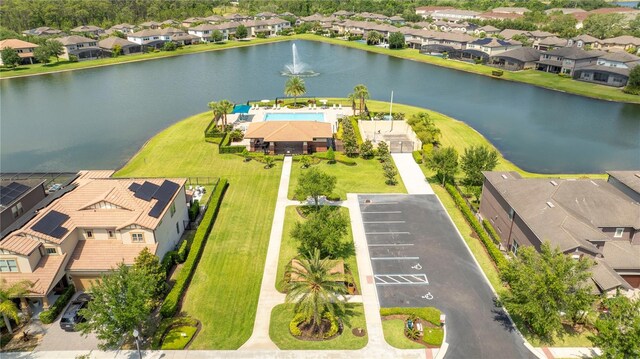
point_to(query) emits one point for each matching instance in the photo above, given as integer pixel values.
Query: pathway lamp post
(136, 335)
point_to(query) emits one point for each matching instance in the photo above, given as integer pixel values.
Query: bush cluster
(49, 315)
(417, 156)
(494, 252)
(225, 148)
(193, 210)
(430, 314)
(349, 137)
(293, 325)
(167, 324)
(183, 251)
(170, 258)
(170, 305)
(335, 326)
(491, 231)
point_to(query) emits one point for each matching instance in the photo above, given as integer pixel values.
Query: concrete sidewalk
(411, 174)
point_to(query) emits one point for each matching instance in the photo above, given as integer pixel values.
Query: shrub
(293, 325)
(491, 231)
(73, 58)
(170, 305)
(430, 314)
(49, 315)
(169, 260)
(169, 46)
(366, 150)
(417, 156)
(337, 158)
(494, 252)
(193, 210)
(335, 326)
(183, 251)
(497, 73)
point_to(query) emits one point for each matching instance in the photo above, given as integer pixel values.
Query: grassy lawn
(532, 77)
(279, 331)
(289, 247)
(224, 291)
(394, 335)
(365, 177)
(178, 337)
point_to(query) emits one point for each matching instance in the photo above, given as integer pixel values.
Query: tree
(117, 50)
(241, 32)
(315, 183)
(323, 231)
(150, 265)
(618, 330)
(226, 107)
(305, 161)
(268, 162)
(396, 40)
(7, 293)
(604, 26)
(316, 290)
(215, 108)
(41, 54)
(10, 57)
(544, 284)
(523, 39)
(634, 80)
(295, 87)
(361, 92)
(383, 149)
(373, 37)
(390, 171)
(169, 46)
(445, 162)
(216, 36)
(122, 301)
(475, 160)
(331, 156)
(424, 127)
(55, 48)
(562, 24)
(366, 149)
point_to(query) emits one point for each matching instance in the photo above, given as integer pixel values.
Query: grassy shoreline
(531, 77)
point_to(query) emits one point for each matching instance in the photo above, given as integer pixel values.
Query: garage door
(84, 283)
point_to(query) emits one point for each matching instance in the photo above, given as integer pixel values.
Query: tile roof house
(191, 21)
(290, 137)
(98, 223)
(126, 47)
(157, 37)
(487, 30)
(585, 41)
(23, 48)
(82, 47)
(550, 43)
(489, 46)
(88, 30)
(627, 12)
(611, 69)
(42, 31)
(521, 58)
(123, 28)
(566, 59)
(17, 197)
(582, 217)
(621, 43)
(150, 25)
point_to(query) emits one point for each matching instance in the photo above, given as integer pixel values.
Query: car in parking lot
(71, 316)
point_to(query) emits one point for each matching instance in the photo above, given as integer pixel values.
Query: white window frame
(88, 233)
(135, 236)
(48, 249)
(514, 247)
(5, 267)
(619, 233)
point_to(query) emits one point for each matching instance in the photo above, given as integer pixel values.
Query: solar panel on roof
(9, 193)
(17, 186)
(157, 209)
(59, 232)
(50, 222)
(164, 194)
(134, 187)
(146, 191)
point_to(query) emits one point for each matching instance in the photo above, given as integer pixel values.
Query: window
(178, 227)
(52, 250)
(8, 265)
(20, 209)
(137, 237)
(619, 233)
(14, 211)
(110, 233)
(89, 234)
(514, 247)
(173, 209)
(511, 213)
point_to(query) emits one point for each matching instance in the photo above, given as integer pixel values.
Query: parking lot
(419, 260)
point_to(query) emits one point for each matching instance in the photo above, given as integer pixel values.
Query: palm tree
(316, 289)
(373, 37)
(295, 87)
(361, 92)
(226, 107)
(7, 292)
(352, 97)
(215, 107)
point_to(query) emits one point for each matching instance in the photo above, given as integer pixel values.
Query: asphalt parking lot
(419, 260)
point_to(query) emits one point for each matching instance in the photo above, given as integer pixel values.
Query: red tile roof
(102, 255)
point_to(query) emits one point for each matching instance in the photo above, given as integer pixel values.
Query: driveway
(419, 259)
(57, 339)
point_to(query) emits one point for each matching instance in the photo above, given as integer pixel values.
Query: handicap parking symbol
(417, 266)
(428, 296)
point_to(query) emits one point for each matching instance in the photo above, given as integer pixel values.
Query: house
(170, 22)
(83, 48)
(521, 58)
(88, 30)
(490, 15)
(621, 43)
(157, 37)
(192, 21)
(510, 10)
(488, 46)
(42, 31)
(508, 34)
(564, 11)
(447, 26)
(126, 47)
(396, 20)
(611, 69)
(23, 48)
(582, 217)
(454, 14)
(537, 35)
(203, 31)
(367, 16)
(214, 19)
(289, 137)
(96, 224)
(265, 15)
(427, 11)
(585, 41)
(451, 43)
(488, 30)
(150, 25)
(123, 28)
(341, 13)
(17, 197)
(267, 27)
(237, 17)
(565, 60)
(550, 43)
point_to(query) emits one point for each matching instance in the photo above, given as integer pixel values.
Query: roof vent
(504, 176)
(554, 183)
(550, 205)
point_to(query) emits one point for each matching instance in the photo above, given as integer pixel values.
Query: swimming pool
(241, 109)
(314, 116)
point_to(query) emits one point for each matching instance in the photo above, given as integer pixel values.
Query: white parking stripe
(394, 258)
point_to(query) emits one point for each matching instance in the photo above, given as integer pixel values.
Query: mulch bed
(358, 332)
(316, 336)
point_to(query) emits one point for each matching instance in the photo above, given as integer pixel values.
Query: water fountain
(297, 67)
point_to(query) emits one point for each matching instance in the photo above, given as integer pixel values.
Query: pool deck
(257, 114)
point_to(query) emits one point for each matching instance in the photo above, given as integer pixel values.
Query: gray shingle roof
(630, 178)
(524, 54)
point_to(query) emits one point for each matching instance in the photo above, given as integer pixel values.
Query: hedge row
(225, 148)
(494, 252)
(49, 315)
(170, 258)
(417, 156)
(491, 231)
(170, 304)
(356, 129)
(183, 251)
(430, 314)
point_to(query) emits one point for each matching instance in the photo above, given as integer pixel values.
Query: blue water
(241, 109)
(628, 3)
(317, 117)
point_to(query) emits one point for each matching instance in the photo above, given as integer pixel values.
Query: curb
(445, 346)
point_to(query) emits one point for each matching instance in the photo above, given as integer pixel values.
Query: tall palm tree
(373, 37)
(353, 98)
(295, 87)
(215, 107)
(362, 93)
(8, 292)
(226, 107)
(316, 289)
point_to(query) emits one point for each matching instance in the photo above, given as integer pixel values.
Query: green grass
(365, 177)
(394, 335)
(289, 247)
(282, 314)
(178, 337)
(533, 77)
(224, 291)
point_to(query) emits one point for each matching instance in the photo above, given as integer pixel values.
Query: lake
(98, 118)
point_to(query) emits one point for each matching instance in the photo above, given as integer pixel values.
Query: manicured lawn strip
(289, 247)
(224, 290)
(533, 77)
(430, 314)
(175, 340)
(282, 314)
(394, 335)
(365, 177)
(64, 65)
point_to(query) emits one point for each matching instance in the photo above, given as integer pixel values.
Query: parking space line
(387, 233)
(388, 222)
(391, 245)
(401, 279)
(387, 212)
(394, 258)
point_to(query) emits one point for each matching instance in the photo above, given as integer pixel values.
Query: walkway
(411, 174)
